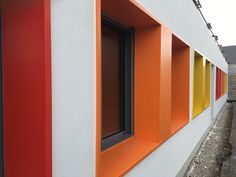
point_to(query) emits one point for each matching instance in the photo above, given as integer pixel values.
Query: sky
(222, 16)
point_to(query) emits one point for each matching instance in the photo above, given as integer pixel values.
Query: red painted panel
(27, 88)
(216, 84)
(220, 81)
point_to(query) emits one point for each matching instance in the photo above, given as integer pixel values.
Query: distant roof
(230, 53)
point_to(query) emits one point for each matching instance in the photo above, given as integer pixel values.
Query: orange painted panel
(146, 94)
(165, 84)
(137, 16)
(152, 88)
(146, 104)
(119, 160)
(146, 89)
(98, 88)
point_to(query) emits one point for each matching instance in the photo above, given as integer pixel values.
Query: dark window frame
(127, 82)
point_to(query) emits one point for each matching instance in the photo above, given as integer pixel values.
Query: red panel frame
(27, 88)
(219, 83)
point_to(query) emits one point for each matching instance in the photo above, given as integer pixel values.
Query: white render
(182, 17)
(184, 20)
(74, 81)
(73, 88)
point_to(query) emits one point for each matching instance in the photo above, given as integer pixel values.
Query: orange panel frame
(146, 101)
(137, 15)
(98, 88)
(146, 105)
(165, 85)
(146, 88)
(180, 84)
(152, 87)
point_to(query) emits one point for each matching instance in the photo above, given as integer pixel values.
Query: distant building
(230, 54)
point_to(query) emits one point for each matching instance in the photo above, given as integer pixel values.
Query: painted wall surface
(173, 153)
(73, 98)
(219, 103)
(165, 157)
(185, 21)
(213, 92)
(73, 60)
(26, 88)
(182, 17)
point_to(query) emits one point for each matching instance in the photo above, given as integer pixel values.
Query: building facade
(230, 53)
(106, 88)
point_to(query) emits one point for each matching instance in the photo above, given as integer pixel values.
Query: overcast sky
(222, 16)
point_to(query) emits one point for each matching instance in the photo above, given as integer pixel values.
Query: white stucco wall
(173, 154)
(73, 81)
(182, 17)
(168, 159)
(185, 21)
(219, 103)
(73, 88)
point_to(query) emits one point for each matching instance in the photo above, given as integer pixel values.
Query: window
(117, 82)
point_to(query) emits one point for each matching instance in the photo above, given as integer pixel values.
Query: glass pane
(111, 82)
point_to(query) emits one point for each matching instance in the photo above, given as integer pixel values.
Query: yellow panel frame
(225, 83)
(198, 84)
(207, 84)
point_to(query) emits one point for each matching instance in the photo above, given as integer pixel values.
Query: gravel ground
(229, 165)
(215, 148)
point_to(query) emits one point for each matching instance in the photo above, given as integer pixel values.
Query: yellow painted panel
(225, 83)
(207, 84)
(198, 84)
